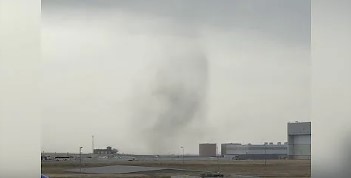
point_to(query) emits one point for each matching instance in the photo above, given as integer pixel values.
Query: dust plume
(177, 98)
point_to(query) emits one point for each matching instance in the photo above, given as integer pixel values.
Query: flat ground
(257, 168)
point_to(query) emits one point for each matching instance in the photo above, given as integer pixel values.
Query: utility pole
(217, 155)
(183, 154)
(92, 143)
(265, 155)
(80, 159)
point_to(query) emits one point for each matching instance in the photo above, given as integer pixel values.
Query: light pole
(217, 155)
(80, 159)
(183, 153)
(265, 155)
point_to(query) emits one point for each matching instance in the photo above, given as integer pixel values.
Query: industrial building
(250, 151)
(106, 151)
(207, 150)
(299, 139)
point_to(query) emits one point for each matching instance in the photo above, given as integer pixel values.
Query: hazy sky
(151, 76)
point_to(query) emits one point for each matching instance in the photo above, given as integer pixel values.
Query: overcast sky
(151, 76)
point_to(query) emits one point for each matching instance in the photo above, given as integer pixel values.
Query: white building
(249, 151)
(299, 139)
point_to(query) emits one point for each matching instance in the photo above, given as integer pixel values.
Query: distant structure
(207, 150)
(226, 146)
(299, 140)
(92, 143)
(106, 151)
(251, 151)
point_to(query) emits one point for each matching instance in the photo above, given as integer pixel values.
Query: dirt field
(273, 168)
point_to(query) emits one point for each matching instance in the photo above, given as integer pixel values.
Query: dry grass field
(273, 168)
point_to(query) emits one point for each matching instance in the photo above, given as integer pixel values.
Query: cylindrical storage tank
(207, 149)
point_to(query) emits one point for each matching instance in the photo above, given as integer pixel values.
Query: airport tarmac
(111, 168)
(118, 169)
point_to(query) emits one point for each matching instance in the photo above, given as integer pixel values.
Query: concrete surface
(117, 169)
